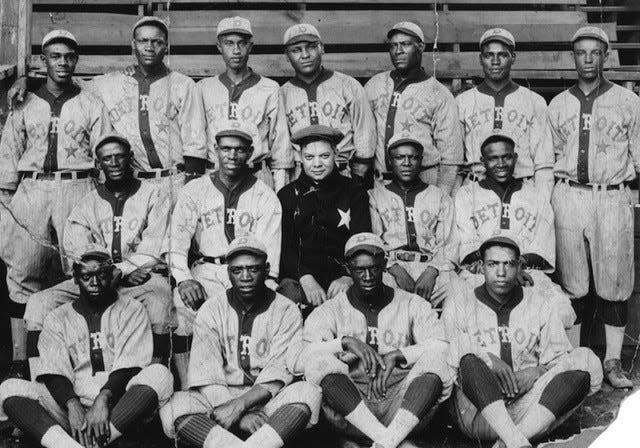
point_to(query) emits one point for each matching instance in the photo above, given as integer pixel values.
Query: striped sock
(29, 415)
(286, 422)
(137, 403)
(194, 429)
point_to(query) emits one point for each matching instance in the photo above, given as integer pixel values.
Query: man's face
(305, 57)
(499, 161)
(500, 268)
(115, 161)
(405, 51)
(60, 60)
(318, 159)
(94, 280)
(496, 60)
(247, 273)
(589, 56)
(235, 49)
(233, 154)
(406, 161)
(366, 271)
(149, 45)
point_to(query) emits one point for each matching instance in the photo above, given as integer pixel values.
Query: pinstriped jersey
(336, 100)
(485, 209)
(255, 99)
(213, 216)
(596, 137)
(160, 116)
(516, 110)
(419, 107)
(418, 219)
(130, 226)
(238, 346)
(85, 346)
(47, 133)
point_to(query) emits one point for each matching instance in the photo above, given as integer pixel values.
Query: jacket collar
(324, 75)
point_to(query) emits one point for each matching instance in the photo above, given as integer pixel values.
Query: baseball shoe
(18, 369)
(615, 375)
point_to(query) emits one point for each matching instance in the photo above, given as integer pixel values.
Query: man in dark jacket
(320, 211)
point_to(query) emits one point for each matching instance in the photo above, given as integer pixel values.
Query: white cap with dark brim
(237, 128)
(592, 32)
(234, 25)
(364, 242)
(409, 28)
(150, 20)
(111, 137)
(500, 35)
(59, 36)
(246, 244)
(301, 32)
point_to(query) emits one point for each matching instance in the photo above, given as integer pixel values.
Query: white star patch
(345, 218)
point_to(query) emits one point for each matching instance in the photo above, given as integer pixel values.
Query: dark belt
(591, 187)
(410, 256)
(214, 260)
(256, 167)
(160, 173)
(59, 175)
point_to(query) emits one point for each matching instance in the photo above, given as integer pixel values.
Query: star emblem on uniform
(406, 125)
(345, 218)
(163, 126)
(601, 147)
(132, 245)
(71, 151)
(89, 153)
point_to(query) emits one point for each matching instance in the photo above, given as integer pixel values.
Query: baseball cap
(500, 240)
(60, 36)
(498, 135)
(317, 132)
(246, 244)
(499, 34)
(111, 137)
(409, 28)
(236, 128)
(301, 32)
(237, 24)
(593, 32)
(364, 241)
(401, 139)
(150, 20)
(93, 251)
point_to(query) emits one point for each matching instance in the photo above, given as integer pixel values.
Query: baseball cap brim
(235, 133)
(240, 31)
(498, 38)
(497, 137)
(406, 141)
(393, 31)
(500, 241)
(368, 248)
(303, 38)
(110, 139)
(245, 250)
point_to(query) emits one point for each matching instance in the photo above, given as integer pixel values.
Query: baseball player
(96, 382)
(210, 213)
(518, 377)
(595, 130)
(46, 161)
(501, 204)
(378, 353)
(238, 376)
(128, 219)
(408, 101)
(320, 211)
(500, 103)
(415, 220)
(241, 94)
(317, 95)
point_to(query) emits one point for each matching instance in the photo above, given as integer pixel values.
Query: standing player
(238, 377)
(415, 220)
(499, 103)
(95, 382)
(408, 101)
(210, 213)
(241, 94)
(500, 204)
(595, 129)
(378, 353)
(47, 166)
(518, 376)
(317, 95)
(128, 219)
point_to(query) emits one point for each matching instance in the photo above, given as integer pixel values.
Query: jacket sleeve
(134, 343)
(206, 362)
(184, 221)
(279, 145)
(543, 239)
(12, 146)
(192, 124)
(465, 233)
(426, 329)
(360, 215)
(80, 229)
(541, 147)
(289, 254)
(377, 226)
(446, 251)
(269, 229)
(447, 131)
(100, 122)
(363, 122)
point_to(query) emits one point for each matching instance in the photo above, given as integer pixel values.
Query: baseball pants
(415, 269)
(171, 184)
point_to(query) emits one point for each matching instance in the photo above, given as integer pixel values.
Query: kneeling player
(238, 378)
(518, 377)
(378, 353)
(95, 381)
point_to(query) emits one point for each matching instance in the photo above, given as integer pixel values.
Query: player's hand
(524, 279)
(526, 378)
(426, 282)
(229, 413)
(252, 421)
(17, 91)
(379, 384)
(312, 289)
(402, 277)
(116, 278)
(129, 70)
(98, 420)
(506, 377)
(368, 356)
(339, 285)
(77, 422)
(475, 267)
(137, 277)
(192, 293)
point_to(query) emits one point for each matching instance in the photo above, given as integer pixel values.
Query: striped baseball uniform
(516, 110)
(596, 138)
(420, 107)
(336, 100)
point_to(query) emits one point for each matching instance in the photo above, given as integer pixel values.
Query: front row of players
(377, 361)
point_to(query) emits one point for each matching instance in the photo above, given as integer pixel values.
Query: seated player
(415, 220)
(210, 212)
(238, 376)
(128, 219)
(378, 353)
(518, 376)
(320, 211)
(500, 204)
(95, 380)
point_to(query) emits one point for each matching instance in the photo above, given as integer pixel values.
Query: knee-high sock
(286, 422)
(136, 404)
(33, 355)
(181, 350)
(160, 348)
(343, 396)
(614, 338)
(200, 430)
(19, 339)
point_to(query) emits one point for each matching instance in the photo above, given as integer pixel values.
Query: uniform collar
(417, 187)
(483, 296)
(245, 84)
(109, 195)
(487, 90)
(417, 74)
(602, 88)
(83, 307)
(161, 73)
(247, 182)
(72, 91)
(257, 307)
(329, 182)
(324, 75)
(384, 297)
(512, 186)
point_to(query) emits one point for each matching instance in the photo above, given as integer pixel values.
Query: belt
(156, 174)
(255, 167)
(58, 175)
(409, 256)
(620, 186)
(214, 260)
